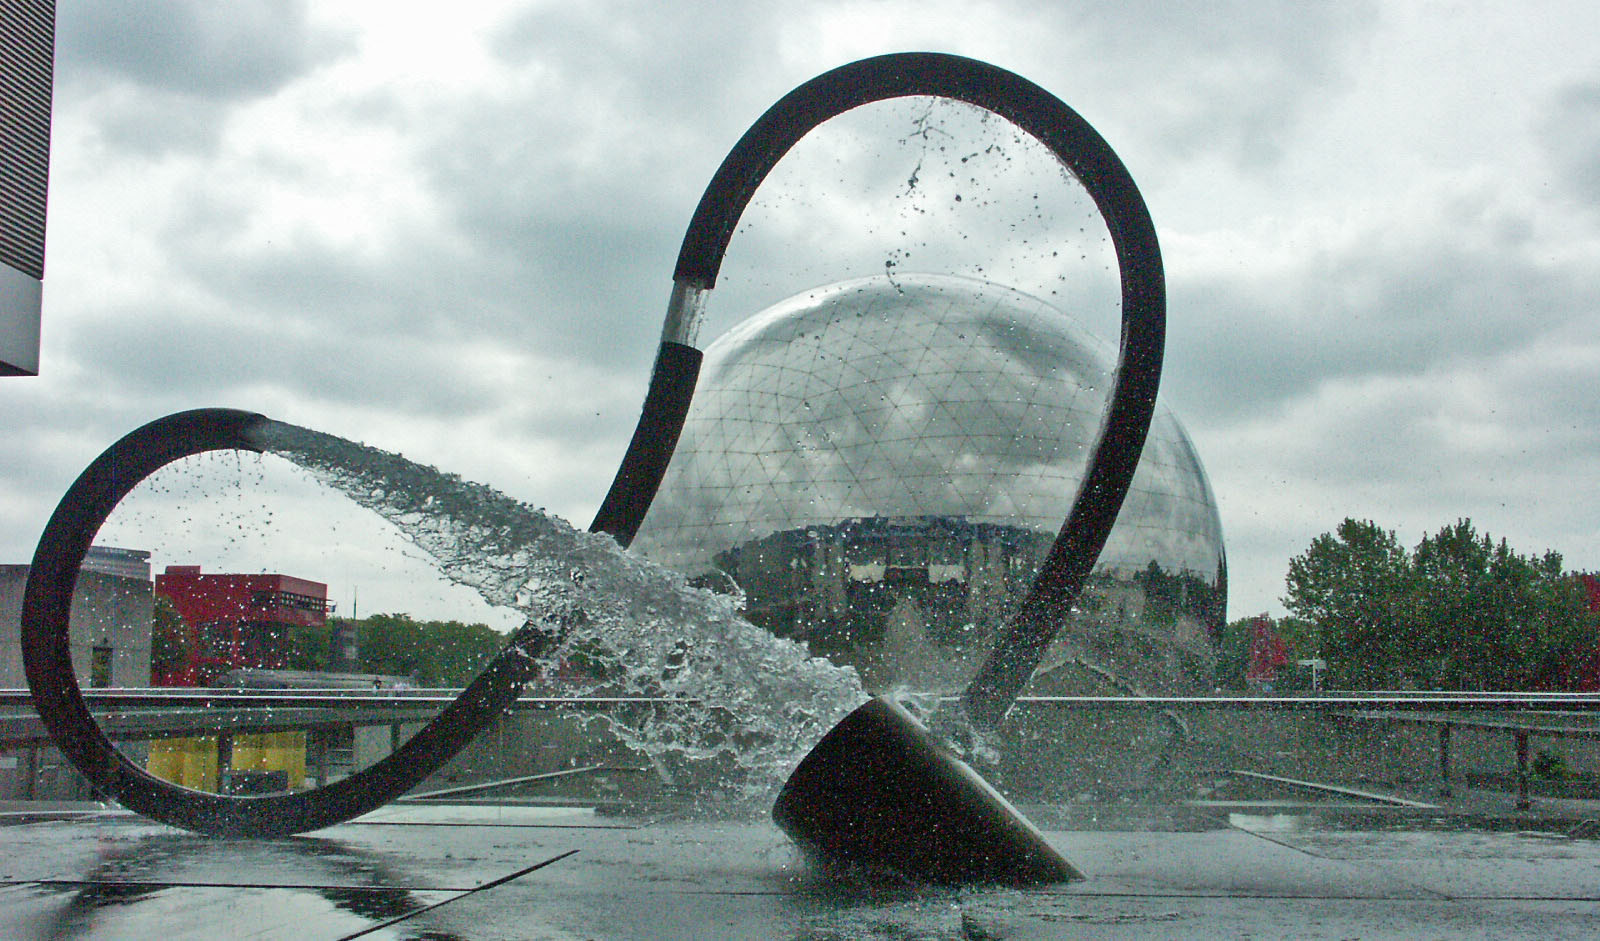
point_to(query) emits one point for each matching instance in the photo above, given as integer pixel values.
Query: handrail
(1326, 702)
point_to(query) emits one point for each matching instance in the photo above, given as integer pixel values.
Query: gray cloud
(573, 228)
(205, 50)
(662, 65)
(189, 352)
(1572, 133)
(1235, 78)
(151, 124)
(1404, 299)
(154, 360)
(574, 185)
(160, 76)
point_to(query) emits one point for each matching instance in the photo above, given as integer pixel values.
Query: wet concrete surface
(1153, 872)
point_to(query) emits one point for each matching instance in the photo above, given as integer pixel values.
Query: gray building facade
(110, 620)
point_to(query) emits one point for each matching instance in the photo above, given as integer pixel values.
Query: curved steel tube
(1133, 397)
(47, 658)
(115, 473)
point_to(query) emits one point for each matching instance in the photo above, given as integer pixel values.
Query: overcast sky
(451, 233)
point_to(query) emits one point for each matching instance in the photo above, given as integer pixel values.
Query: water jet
(878, 789)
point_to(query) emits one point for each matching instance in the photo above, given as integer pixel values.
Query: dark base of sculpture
(879, 792)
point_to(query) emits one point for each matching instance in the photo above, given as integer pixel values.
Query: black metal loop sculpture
(1133, 397)
(47, 657)
(113, 475)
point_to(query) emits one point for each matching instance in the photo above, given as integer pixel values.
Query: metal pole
(1444, 761)
(318, 739)
(30, 773)
(224, 762)
(1523, 803)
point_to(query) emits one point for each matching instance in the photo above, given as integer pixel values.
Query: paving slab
(1526, 864)
(1223, 862)
(118, 876)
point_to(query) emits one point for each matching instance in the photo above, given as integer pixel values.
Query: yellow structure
(272, 751)
(192, 762)
(187, 762)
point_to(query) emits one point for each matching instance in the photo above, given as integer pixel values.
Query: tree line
(1460, 611)
(433, 653)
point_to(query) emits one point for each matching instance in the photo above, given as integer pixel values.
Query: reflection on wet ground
(197, 886)
(1155, 871)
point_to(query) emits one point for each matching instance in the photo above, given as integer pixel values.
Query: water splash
(756, 703)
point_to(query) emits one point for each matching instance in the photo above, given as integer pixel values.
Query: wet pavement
(1152, 873)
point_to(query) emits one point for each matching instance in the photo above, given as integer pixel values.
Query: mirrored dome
(879, 465)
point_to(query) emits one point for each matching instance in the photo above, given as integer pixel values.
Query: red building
(234, 621)
(1268, 653)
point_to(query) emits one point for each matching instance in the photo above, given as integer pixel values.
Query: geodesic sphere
(916, 397)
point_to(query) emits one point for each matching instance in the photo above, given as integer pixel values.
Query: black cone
(879, 791)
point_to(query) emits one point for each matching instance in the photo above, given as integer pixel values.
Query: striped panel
(27, 59)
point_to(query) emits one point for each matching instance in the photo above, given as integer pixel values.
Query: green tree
(1462, 611)
(1233, 653)
(307, 647)
(1351, 588)
(1488, 617)
(435, 653)
(169, 639)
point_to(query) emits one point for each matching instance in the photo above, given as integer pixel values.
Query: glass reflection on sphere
(878, 466)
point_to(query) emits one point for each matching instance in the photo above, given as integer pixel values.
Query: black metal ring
(1133, 397)
(47, 658)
